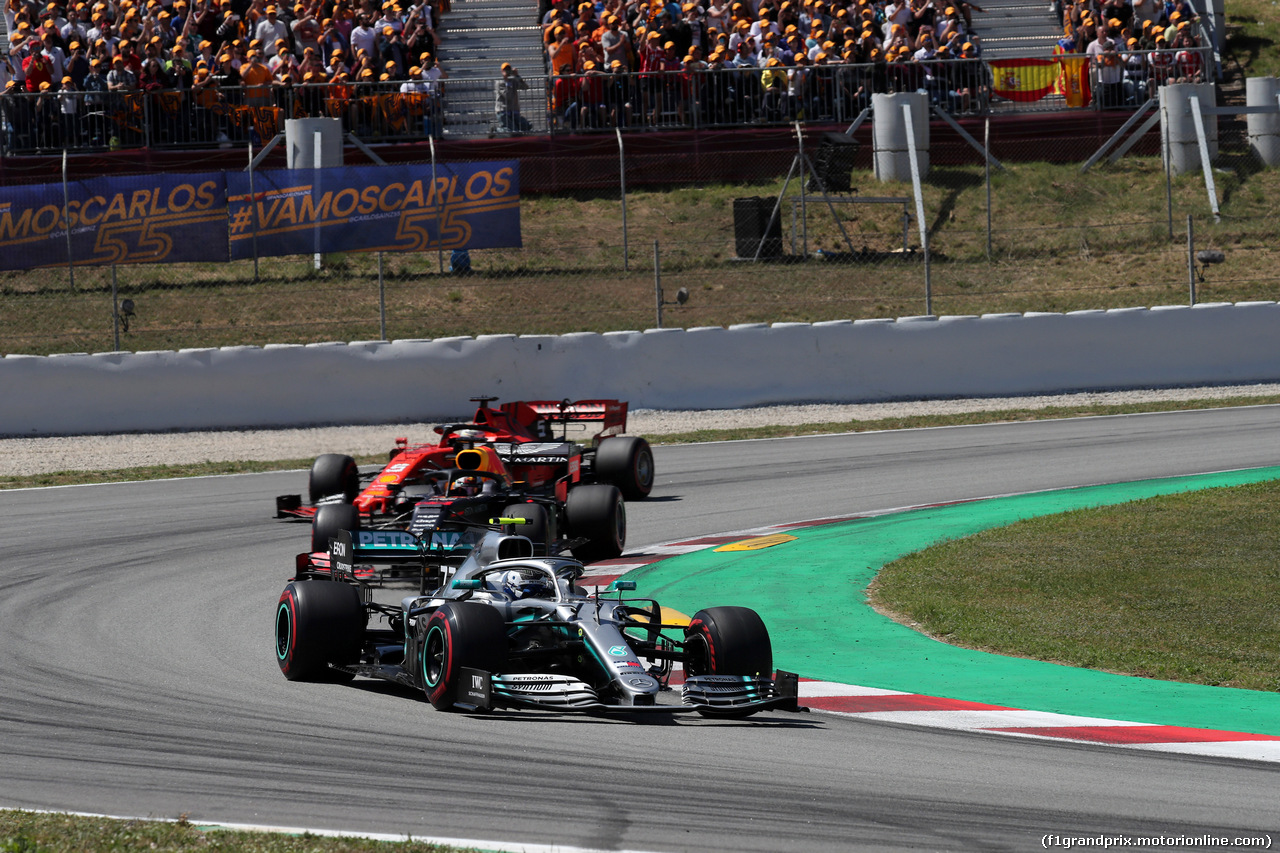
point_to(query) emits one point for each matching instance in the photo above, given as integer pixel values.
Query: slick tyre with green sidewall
(728, 641)
(460, 634)
(318, 622)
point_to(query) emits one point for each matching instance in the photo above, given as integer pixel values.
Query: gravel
(27, 456)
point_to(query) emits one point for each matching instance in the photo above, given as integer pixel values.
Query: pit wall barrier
(911, 358)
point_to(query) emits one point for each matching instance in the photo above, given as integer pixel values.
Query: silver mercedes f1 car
(492, 626)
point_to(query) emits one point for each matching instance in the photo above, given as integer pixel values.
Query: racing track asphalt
(136, 676)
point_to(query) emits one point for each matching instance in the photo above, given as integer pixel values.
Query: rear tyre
(626, 462)
(597, 514)
(329, 519)
(334, 474)
(537, 528)
(318, 622)
(459, 634)
(727, 641)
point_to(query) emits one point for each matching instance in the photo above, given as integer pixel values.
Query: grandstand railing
(722, 98)
(732, 97)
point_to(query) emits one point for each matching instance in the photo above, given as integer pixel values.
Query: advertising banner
(374, 208)
(140, 219)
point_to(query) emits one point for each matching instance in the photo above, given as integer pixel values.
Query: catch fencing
(626, 250)
(217, 114)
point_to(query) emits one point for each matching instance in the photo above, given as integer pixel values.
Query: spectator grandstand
(112, 73)
(478, 37)
(659, 64)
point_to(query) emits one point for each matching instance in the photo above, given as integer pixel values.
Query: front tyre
(318, 622)
(626, 461)
(727, 641)
(334, 474)
(329, 519)
(460, 634)
(597, 514)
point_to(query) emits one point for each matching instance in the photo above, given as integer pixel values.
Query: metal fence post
(115, 311)
(622, 180)
(1191, 259)
(804, 213)
(435, 191)
(317, 154)
(253, 204)
(694, 105)
(919, 194)
(657, 282)
(382, 303)
(986, 145)
(1168, 167)
(66, 218)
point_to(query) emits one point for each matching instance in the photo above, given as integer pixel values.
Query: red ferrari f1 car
(522, 459)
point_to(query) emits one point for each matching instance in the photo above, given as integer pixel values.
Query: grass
(35, 832)
(1252, 34)
(206, 469)
(155, 472)
(1180, 588)
(1060, 241)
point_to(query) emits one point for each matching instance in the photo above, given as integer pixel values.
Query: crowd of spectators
(96, 71)
(629, 62)
(621, 62)
(201, 70)
(1134, 46)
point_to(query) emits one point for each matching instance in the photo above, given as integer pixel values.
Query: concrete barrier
(701, 368)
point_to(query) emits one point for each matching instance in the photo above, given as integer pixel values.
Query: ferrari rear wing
(610, 415)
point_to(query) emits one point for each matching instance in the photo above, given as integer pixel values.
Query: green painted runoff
(812, 595)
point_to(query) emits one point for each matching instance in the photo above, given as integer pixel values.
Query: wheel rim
(620, 525)
(644, 470)
(433, 655)
(284, 631)
(698, 655)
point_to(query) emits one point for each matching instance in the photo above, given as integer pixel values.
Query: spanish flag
(1074, 81)
(1023, 79)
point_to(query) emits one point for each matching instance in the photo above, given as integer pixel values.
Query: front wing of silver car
(710, 695)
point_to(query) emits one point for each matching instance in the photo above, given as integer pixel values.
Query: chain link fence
(647, 239)
(215, 112)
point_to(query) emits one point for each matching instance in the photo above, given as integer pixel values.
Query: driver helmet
(527, 583)
(465, 486)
